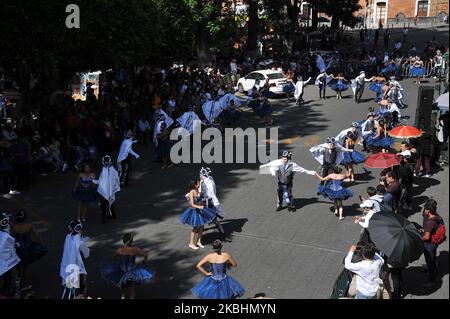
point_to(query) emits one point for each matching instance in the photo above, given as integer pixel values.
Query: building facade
(400, 10)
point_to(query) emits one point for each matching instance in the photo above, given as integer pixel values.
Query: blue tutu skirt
(31, 253)
(86, 195)
(353, 158)
(389, 69)
(339, 87)
(384, 142)
(226, 288)
(376, 87)
(417, 71)
(113, 273)
(341, 194)
(197, 217)
(290, 88)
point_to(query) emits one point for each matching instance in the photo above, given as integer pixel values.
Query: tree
(341, 11)
(113, 33)
(253, 21)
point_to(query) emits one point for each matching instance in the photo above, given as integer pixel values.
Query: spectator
(393, 190)
(144, 129)
(430, 226)
(405, 34)
(6, 170)
(375, 197)
(367, 271)
(368, 206)
(424, 151)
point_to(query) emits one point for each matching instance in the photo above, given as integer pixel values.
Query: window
(260, 77)
(251, 76)
(275, 76)
(381, 11)
(422, 8)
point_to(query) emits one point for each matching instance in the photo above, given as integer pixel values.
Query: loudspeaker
(424, 108)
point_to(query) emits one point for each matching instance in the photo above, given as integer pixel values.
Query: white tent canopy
(442, 102)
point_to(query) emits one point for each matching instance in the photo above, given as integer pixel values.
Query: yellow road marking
(286, 141)
(311, 141)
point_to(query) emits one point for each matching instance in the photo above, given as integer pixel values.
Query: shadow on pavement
(414, 277)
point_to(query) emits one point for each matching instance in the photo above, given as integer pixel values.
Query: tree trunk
(335, 23)
(315, 15)
(252, 27)
(293, 10)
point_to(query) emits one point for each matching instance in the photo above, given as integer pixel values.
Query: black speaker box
(424, 108)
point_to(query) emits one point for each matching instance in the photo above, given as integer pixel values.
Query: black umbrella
(396, 237)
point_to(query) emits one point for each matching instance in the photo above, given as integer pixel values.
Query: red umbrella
(405, 132)
(382, 160)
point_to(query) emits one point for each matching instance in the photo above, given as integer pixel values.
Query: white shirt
(367, 217)
(367, 274)
(125, 149)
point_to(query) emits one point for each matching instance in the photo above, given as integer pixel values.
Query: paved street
(284, 255)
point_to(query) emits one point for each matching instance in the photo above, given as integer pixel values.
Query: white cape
(186, 121)
(109, 184)
(126, 149)
(212, 110)
(272, 168)
(211, 190)
(340, 138)
(167, 119)
(317, 152)
(225, 100)
(353, 86)
(299, 86)
(8, 255)
(72, 264)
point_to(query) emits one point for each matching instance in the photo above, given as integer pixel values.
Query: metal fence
(354, 67)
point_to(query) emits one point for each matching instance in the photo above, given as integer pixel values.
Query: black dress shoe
(279, 208)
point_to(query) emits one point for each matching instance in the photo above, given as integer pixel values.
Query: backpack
(439, 236)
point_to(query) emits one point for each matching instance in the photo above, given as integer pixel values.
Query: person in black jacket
(406, 177)
(424, 152)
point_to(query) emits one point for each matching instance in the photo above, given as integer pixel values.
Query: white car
(277, 81)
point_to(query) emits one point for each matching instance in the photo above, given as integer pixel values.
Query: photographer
(367, 271)
(393, 191)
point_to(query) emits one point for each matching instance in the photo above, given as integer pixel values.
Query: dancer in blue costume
(217, 284)
(85, 191)
(333, 189)
(351, 158)
(379, 139)
(379, 87)
(417, 69)
(340, 86)
(126, 274)
(29, 250)
(196, 215)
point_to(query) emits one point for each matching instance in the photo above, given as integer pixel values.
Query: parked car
(277, 81)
